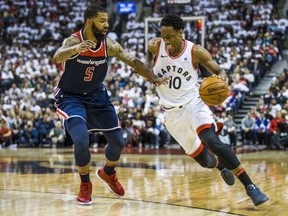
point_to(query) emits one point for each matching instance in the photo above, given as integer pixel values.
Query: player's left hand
(161, 80)
(222, 75)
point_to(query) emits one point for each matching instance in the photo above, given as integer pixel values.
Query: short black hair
(92, 11)
(172, 20)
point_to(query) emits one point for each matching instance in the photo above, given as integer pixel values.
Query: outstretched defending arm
(115, 49)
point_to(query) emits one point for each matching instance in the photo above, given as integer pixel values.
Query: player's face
(172, 38)
(99, 26)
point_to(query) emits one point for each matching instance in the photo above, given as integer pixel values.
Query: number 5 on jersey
(89, 74)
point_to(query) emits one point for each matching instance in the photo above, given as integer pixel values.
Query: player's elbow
(56, 59)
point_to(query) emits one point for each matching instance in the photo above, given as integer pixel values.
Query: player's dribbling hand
(82, 47)
(161, 80)
(222, 75)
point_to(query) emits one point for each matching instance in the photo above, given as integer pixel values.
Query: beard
(97, 33)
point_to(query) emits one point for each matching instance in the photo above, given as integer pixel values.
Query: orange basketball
(213, 91)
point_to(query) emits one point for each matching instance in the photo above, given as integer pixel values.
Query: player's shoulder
(199, 51)
(71, 41)
(154, 41)
(154, 44)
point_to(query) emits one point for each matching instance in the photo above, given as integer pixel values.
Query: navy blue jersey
(84, 72)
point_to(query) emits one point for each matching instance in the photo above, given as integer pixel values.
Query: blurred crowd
(244, 37)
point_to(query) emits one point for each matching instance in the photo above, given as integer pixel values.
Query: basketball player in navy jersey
(187, 118)
(82, 100)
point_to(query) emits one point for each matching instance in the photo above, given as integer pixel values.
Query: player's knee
(115, 145)
(77, 129)
(207, 162)
(115, 139)
(206, 159)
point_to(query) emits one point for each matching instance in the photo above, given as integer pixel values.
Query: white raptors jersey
(183, 86)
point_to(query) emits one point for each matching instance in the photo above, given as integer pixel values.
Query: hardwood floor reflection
(45, 182)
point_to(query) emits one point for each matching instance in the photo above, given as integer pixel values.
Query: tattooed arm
(71, 46)
(115, 49)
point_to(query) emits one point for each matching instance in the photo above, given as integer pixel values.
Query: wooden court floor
(37, 182)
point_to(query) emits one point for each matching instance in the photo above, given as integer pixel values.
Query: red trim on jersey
(56, 91)
(62, 114)
(101, 51)
(183, 50)
(105, 50)
(193, 65)
(78, 35)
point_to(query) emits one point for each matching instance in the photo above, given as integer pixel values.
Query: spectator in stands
(268, 97)
(273, 135)
(250, 78)
(151, 135)
(139, 126)
(130, 135)
(5, 134)
(247, 129)
(29, 135)
(56, 135)
(262, 125)
(15, 123)
(261, 107)
(44, 125)
(275, 106)
(232, 131)
(254, 113)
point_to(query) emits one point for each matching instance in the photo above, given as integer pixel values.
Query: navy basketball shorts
(95, 108)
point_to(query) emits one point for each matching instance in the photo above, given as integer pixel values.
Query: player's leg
(72, 110)
(106, 120)
(114, 147)
(203, 123)
(230, 161)
(176, 122)
(77, 129)
(208, 160)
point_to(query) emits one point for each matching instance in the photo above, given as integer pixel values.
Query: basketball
(213, 91)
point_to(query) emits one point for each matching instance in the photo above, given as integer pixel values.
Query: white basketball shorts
(184, 122)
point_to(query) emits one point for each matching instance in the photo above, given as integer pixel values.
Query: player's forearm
(144, 71)
(63, 54)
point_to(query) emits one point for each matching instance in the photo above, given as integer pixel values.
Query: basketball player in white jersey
(188, 119)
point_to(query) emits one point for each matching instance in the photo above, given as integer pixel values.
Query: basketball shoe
(112, 181)
(84, 196)
(256, 195)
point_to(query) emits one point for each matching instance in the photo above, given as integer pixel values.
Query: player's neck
(89, 36)
(176, 52)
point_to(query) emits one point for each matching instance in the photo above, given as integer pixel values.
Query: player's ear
(88, 22)
(180, 31)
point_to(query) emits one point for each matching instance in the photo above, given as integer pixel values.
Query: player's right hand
(163, 80)
(82, 47)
